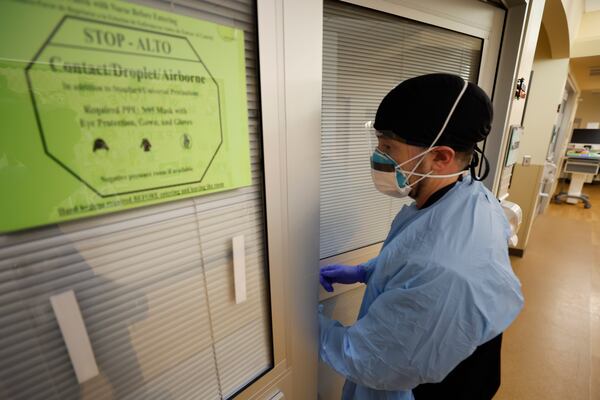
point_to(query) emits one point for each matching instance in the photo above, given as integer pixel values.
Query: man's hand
(341, 274)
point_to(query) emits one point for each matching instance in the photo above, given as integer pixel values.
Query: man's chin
(414, 192)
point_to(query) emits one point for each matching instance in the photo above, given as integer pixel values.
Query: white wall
(589, 108)
(531, 34)
(586, 41)
(574, 10)
(549, 78)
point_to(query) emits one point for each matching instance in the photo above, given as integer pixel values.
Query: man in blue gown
(442, 290)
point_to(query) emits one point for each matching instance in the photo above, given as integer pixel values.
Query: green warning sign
(108, 106)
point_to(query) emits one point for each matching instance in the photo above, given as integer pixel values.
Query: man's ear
(443, 157)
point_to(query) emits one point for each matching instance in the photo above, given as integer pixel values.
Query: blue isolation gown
(441, 286)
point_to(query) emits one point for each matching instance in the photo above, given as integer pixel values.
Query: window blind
(154, 284)
(365, 54)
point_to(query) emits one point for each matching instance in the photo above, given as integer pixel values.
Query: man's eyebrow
(391, 135)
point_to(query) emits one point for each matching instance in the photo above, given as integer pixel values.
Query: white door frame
(504, 89)
(290, 55)
(565, 129)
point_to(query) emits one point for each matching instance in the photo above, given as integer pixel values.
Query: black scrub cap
(416, 109)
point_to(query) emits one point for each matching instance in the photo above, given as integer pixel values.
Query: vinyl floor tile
(552, 350)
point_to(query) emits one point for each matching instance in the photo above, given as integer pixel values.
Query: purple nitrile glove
(341, 274)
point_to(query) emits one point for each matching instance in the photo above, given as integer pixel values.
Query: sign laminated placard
(108, 105)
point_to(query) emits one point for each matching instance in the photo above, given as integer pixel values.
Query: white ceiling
(581, 68)
(592, 5)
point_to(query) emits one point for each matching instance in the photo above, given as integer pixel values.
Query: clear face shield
(380, 161)
(386, 173)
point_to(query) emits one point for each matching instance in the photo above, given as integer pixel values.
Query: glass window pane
(154, 284)
(365, 54)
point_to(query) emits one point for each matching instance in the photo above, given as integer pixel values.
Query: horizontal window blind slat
(146, 281)
(365, 54)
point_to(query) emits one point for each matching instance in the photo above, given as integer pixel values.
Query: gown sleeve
(369, 267)
(409, 335)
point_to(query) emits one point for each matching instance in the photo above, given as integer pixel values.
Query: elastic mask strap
(460, 95)
(440, 176)
(430, 175)
(475, 162)
(422, 176)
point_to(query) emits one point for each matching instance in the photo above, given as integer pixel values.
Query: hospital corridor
(552, 351)
(300, 199)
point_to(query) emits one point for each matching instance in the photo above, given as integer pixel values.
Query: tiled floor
(552, 351)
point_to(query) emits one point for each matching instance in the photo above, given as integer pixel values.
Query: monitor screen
(586, 136)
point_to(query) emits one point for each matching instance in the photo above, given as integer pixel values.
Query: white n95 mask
(390, 179)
